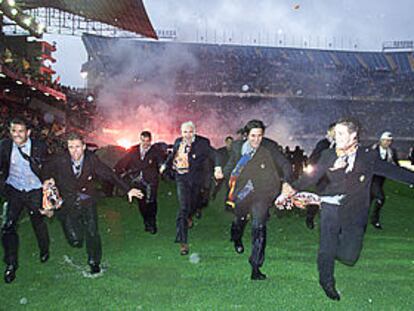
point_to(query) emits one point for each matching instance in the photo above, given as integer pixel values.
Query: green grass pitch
(145, 272)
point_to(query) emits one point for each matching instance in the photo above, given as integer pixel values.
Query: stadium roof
(129, 15)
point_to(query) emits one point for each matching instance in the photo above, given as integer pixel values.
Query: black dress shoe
(309, 223)
(377, 225)
(257, 275)
(152, 230)
(44, 257)
(238, 247)
(330, 291)
(184, 249)
(9, 274)
(95, 268)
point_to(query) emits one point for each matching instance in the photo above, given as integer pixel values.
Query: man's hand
(134, 192)
(48, 182)
(47, 213)
(162, 168)
(218, 173)
(287, 190)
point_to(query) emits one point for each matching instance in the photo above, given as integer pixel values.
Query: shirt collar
(27, 146)
(192, 139)
(80, 162)
(141, 148)
(247, 148)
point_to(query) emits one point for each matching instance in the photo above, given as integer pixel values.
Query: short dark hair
(229, 137)
(351, 124)
(19, 121)
(75, 136)
(146, 134)
(254, 124)
(331, 126)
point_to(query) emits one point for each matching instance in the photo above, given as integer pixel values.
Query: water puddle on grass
(82, 269)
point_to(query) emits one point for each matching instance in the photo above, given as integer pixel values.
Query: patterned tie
(143, 152)
(77, 170)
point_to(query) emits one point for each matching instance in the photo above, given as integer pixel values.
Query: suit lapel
(138, 154)
(193, 146)
(6, 154)
(8, 148)
(148, 152)
(177, 145)
(86, 167)
(68, 165)
(33, 149)
(359, 158)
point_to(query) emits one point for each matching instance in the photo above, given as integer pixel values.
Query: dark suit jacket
(38, 156)
(60, 168)
(378, 181)
(281, 163)
(132, 163)
(201, 151)
(321, 145)
(356, 184)
(261, 169)
(224, 155)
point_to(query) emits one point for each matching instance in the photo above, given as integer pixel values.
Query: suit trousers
(337, 241)
(80, 223)
(188, 193)
(378, 196)
(259, 212)
(16, 202)
(148, 204)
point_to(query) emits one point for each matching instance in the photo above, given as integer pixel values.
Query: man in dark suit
(385, 153)
(254, 181)
(411, 155)
(322, 145)
(223, 154)
(187, 161)
(345, 199)
(74, 173)
(21, 160)
(140, 166)
(298, 160)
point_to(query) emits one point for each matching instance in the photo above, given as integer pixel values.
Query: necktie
(34, 163)
(143, 152)
(23, 154)
(77, 170)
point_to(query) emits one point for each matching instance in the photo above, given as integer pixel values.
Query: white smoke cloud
(141, 95)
